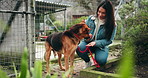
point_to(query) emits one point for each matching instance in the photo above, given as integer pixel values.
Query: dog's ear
(81, 29)
(75, 28)
(82, 22)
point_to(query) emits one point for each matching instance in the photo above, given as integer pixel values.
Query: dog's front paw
(69, 76)
(74, 73)
(62, 68)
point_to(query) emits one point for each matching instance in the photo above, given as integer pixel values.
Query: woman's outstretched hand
(91, 44)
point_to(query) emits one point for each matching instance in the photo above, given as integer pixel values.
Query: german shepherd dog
(65, 43)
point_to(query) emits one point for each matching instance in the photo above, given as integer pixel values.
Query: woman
(102, 33)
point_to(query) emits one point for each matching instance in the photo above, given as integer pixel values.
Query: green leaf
(28, 74)
(47, 76)
(54, 76)
(37, 71)
(15, 70)
(24, 64)
(3, 74)
(126, 67)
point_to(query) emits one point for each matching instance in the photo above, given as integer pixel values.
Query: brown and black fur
(65, 43)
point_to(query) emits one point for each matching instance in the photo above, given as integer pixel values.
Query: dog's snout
(89, 29)
(87, 37)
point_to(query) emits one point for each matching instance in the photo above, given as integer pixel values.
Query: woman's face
(101, 13)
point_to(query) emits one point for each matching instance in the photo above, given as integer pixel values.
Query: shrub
(76, 21)
(137, 31)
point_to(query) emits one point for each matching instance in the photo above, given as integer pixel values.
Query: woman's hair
(109, 19)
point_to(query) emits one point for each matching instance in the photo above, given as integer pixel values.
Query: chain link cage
(16, 33)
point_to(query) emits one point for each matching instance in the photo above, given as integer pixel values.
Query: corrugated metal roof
(45, 1)
(51, 7)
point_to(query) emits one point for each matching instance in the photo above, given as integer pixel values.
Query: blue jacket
(101, 42)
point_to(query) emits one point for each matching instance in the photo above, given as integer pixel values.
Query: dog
(65, 43)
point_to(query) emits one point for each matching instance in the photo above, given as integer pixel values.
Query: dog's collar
(77, 36)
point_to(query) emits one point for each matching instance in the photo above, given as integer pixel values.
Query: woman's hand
(91, 44)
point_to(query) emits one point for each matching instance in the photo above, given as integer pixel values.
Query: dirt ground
(141, 71)
(78, 66)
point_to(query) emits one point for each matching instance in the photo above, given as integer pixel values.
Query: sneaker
(87, 64)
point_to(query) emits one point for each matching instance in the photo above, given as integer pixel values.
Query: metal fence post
(31, 32)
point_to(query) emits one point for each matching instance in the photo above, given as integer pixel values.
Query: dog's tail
(45, 56)
(54, 53)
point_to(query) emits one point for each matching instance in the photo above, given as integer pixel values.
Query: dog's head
(80, 30)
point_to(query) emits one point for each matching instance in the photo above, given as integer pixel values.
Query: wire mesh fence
(16, 28)
(55, 16)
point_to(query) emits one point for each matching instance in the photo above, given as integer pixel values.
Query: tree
(138, 33)
(91, 5)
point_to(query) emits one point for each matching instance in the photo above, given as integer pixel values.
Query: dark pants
(100, 54)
